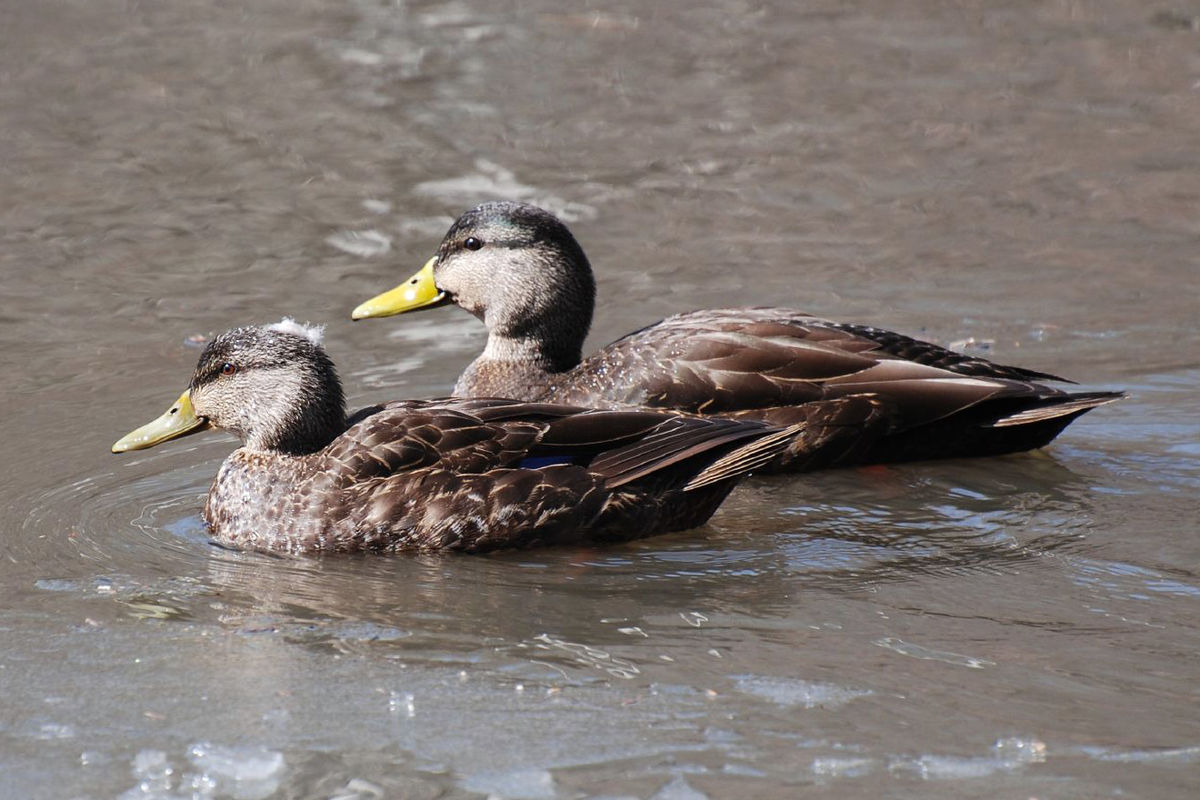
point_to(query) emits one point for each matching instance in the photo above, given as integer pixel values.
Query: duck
(519, 270)
(454, 474)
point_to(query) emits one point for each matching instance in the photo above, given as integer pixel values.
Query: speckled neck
(515, 378)
(542, 314)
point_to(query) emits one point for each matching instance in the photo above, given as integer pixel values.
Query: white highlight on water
(796, 692)
(364, 244)
(240, 773)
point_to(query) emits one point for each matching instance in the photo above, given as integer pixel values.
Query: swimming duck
(518, 269)
(458, 474)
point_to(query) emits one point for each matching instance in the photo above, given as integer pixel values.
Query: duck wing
(893, 397)
(787, 323)
(477, 435)
(629, 445)
(411, 435)
(479, 474)
(704, 364)
(921, 352)
(723, 361)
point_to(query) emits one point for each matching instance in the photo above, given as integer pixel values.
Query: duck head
(272, 386)
(514, 266)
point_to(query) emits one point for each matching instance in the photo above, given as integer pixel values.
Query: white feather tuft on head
(314, 333)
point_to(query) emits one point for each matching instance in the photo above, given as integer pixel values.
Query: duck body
(519, 270)
(783, 366)
(476, 475)
(457, 474)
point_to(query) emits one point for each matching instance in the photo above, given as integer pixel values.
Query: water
(1022, 181)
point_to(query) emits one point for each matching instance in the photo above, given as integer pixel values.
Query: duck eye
(228, 369)
(472, 243)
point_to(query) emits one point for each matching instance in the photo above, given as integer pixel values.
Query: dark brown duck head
(518, 269)
(272, 386)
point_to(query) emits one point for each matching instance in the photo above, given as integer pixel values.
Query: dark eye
(228, 369)
(472, 243)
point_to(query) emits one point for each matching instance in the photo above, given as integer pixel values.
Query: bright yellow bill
(179, 420)
(419, 291)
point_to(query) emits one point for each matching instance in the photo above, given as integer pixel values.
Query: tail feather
(676, 441)
(747, 458)
(1060, 407)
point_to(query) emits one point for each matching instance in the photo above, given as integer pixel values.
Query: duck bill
(179, 420)
(417, 292)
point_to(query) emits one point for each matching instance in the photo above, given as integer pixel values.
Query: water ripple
(110, 521)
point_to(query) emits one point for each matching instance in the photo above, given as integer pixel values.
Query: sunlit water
(1021, 182)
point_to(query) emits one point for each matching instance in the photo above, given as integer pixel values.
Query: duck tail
(682, 448)
(747, 458)
(1056, 407)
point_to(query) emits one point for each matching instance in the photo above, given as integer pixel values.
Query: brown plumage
(456, 474)
(520, 270)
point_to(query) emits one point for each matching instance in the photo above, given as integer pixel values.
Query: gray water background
(1018, 179)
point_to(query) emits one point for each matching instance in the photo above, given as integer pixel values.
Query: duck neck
(550, 348)
(302, 416)
(546, 330)
(516, 368)
(300, 439)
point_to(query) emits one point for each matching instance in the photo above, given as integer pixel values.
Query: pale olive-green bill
(419, 291)
(179, 420)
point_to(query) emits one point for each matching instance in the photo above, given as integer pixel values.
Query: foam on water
(527, 784)
(1180, 755)
(678, 789)
(237, 772)
(796, 692)
(842, 767)
(929, 654)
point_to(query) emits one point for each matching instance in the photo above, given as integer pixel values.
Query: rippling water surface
(1018, 179)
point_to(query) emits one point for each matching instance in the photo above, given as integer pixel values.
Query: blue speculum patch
(536, 462)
